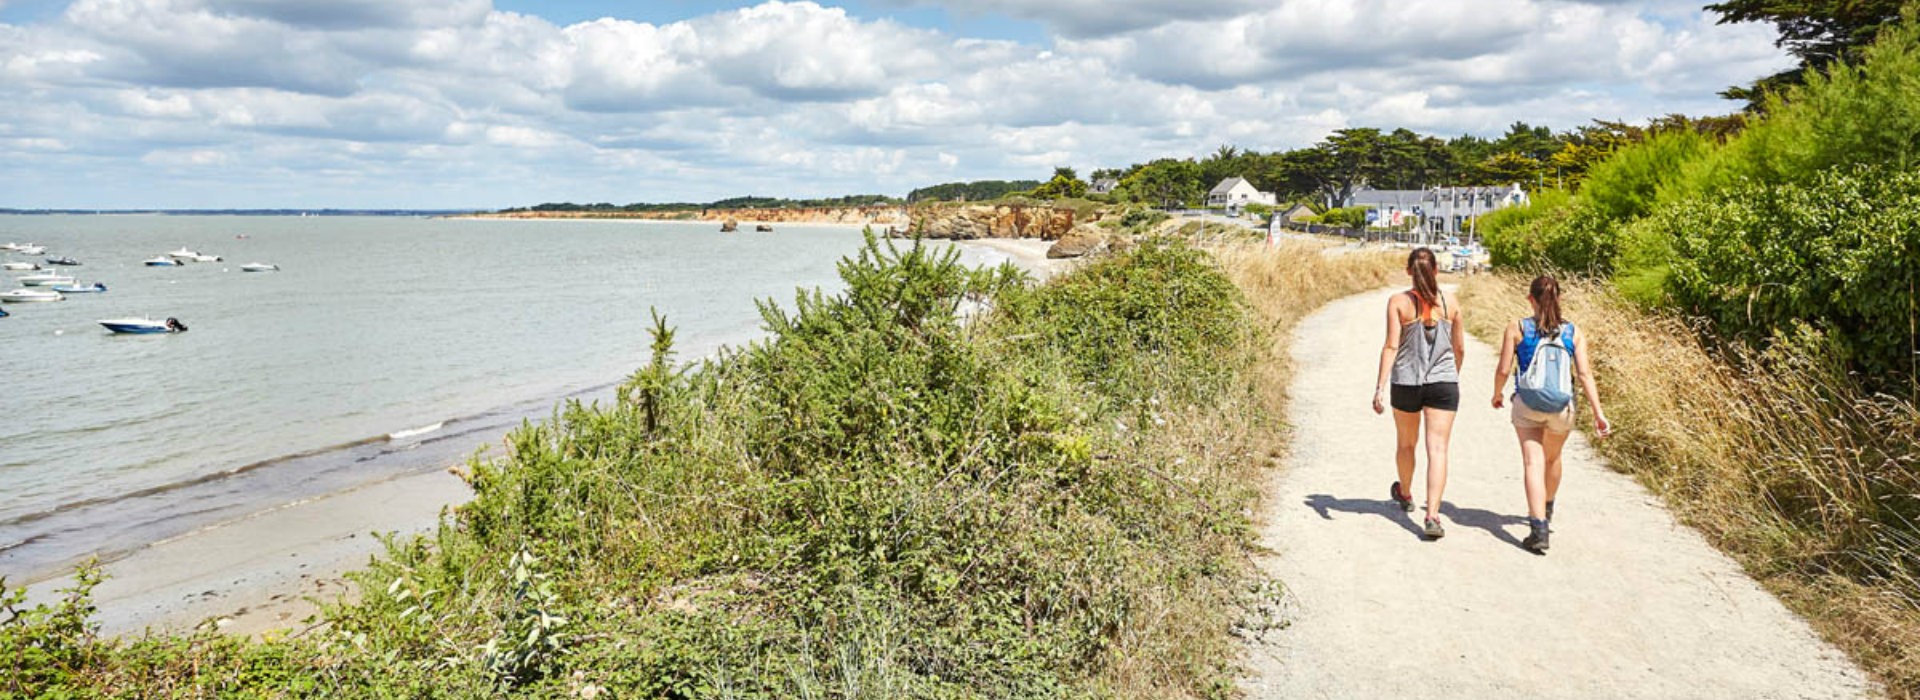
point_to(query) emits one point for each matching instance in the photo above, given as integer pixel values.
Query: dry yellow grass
(1285, 284)
(1776, 458)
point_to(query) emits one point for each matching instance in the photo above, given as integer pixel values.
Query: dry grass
(1285, 284)
(1777, 458)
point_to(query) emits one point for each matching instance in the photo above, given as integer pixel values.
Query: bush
(1349, 217)
(1839, 252)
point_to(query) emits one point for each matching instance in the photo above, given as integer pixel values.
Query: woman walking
(1425, 342)
(1549, 353)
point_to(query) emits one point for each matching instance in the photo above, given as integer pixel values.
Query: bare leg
(1407, 432)
(1534, 465)
(1439, 436)
(1551, 444)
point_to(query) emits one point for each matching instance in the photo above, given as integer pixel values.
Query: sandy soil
(258, 574)
(1628, 604)
(1029, 254)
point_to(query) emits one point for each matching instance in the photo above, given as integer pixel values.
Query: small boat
(63, 261)
(19, 266)
(45, 279)
(764, 228)
(183, 253)
(94, 288)
(4, 314)
(144, 326)
(22, 296)
(9, 247)
(162, 261)
(259, 267)
(206, 258)
(31, 249)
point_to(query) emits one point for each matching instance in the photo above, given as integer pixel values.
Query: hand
(1379, 407)
(1499, 401)
(1601, 426)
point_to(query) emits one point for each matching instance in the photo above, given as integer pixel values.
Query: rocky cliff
(974, 221)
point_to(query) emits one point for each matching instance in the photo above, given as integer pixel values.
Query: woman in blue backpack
(1425, 341)
(1549, 354)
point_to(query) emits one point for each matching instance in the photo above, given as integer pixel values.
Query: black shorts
(1441, 395)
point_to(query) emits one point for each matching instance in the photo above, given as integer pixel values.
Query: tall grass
(1777, 457)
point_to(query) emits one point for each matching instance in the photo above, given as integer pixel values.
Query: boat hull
(30, 298)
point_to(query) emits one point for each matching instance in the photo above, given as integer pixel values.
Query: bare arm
(1583, 366)
(1387, 351)
(1503, 366)
(1459, 334)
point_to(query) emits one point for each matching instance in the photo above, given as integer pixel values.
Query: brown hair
(1545, 294)
(1424, 268)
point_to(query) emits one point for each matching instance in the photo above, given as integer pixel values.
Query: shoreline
(262, 572)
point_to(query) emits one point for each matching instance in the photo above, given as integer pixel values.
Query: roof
(1365, 197)
(1228, 185)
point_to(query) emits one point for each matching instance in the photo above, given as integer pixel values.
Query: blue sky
(491, 103)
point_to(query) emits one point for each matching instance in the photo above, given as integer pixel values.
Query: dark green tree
(1818, 32)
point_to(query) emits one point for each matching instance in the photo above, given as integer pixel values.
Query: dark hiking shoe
(1434, 531)
(1405, 500)
(1537, 541)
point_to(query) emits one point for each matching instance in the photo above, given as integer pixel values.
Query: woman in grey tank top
(1425, 343)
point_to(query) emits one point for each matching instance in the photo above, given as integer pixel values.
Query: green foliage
(1840, 252)
(1065, 184)
(943, 482)
(978, 191)
(1628, 185)
(1349, 217)
(1818, 32)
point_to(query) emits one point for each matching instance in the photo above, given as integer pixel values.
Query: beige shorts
(1525, 417)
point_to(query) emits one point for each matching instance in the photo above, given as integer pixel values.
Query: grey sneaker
(1434, 531)
(1401, 497)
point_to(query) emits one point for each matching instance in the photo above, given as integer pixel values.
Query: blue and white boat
(4, 314)
(143, 326)
(162, 261)
(94, 288)
(63, 261)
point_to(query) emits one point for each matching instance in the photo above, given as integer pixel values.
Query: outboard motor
(176, 325)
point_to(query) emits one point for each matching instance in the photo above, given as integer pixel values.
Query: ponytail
(1425, 270)
(1545, 294)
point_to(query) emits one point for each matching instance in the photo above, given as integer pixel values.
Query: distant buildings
(1443, 211)
(1236, 192)
(1105, 185)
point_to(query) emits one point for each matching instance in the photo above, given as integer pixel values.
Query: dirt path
(1629, 604)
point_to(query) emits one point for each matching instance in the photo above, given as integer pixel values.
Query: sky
(495, 103)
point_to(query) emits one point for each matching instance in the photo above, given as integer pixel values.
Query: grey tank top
(1426, 353)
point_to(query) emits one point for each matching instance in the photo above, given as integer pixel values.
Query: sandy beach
(1028, 253)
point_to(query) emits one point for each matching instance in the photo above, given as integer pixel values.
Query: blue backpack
(1547, 383)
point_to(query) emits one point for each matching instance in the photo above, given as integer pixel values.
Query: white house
(1236, 192)
(1105, 185)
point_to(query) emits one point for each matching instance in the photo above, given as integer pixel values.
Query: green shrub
(1349, 217)
(1839, 252)
(1628, 185)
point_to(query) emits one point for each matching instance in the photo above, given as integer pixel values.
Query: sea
(383, 347)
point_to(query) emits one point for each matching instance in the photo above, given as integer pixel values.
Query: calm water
(385, 346)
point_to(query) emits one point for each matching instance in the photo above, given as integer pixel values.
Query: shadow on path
(1494, 523)
(1323, 504)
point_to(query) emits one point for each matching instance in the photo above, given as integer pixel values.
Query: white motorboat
(75, 288)
(22, 296)
(143, 326)
(162, 261)
(183, 254)
(45, 279)
(206, 258)
(259, 267)
(20, 266)
(9, 247)
(31, 249)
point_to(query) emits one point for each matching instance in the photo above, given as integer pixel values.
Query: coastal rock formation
(1083, 240)
(729, 226)
(970, 222)
(764, 228)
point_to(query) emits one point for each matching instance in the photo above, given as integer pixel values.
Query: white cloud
(385, 102)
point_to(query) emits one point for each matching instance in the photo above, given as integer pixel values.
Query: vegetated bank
(881, 499)
(1755, 311)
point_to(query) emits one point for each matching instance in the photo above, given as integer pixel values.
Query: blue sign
(1373, 216)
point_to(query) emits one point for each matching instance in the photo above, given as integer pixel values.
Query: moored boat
(94, 288)
(32, 249)
(70, 262)
(184, 253)
(206, 258)
(45, 279)
(259, 267)
(19, 266)
(23, 296)
(162, 261)
(143, 326)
